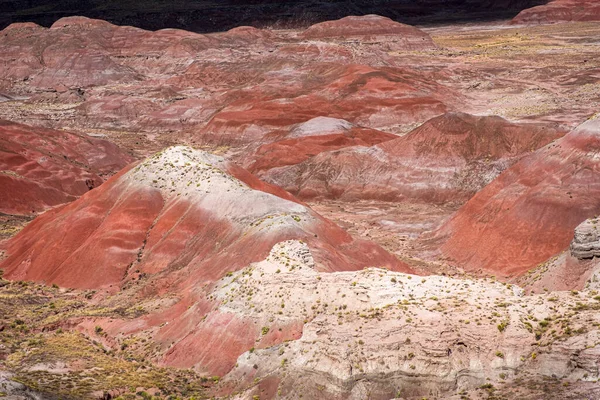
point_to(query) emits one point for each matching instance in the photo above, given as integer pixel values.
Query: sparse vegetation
(502, 325)
(100, 368)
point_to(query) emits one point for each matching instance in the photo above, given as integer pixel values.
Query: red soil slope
(311, 138)
(82, 52)
(529, 212)
(164, 216)
(560, 11)
(448, 158)
(169, 228)
(41, 168)
(360, 94)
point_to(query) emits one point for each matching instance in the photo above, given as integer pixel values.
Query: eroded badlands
(356, 209)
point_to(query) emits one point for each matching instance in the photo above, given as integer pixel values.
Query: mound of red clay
(42, 168)
(529, 213)
(310, 138)
(371, 27)
(560, 11)
(180, 213)
(362, 95)
(448, 158)
(169, 228)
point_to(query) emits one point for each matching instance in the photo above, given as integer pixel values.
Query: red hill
(180, 213)
(448, 158)
(310, 138)
(42, 168)
(530, 211)
(560, 11)
(168, 229)
(371, 27)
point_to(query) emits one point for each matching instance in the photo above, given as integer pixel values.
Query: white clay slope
(201, 177)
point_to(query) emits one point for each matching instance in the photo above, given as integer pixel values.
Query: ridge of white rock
(426, 335)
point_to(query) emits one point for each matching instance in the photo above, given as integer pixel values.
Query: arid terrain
(336, 206)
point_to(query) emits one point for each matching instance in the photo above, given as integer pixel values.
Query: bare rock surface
(586, 243)
(146, 214)
(187, 265)
(280, 326)
(167, 228)
(235, 91)
(575, 268)
(123, 78)
(430, 336)
(12, 390)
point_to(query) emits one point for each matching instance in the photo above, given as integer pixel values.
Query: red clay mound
(180, 213)
(529, 212)
(362, 95)
(42, 168)
(167, 230)
(560, 11)
(311, 138)
(371, 27)
(448, 158)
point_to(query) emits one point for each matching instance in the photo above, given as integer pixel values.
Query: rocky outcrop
(396, 335)
(17, 391)
(586, 243)
(575, 268)
(280, 326)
